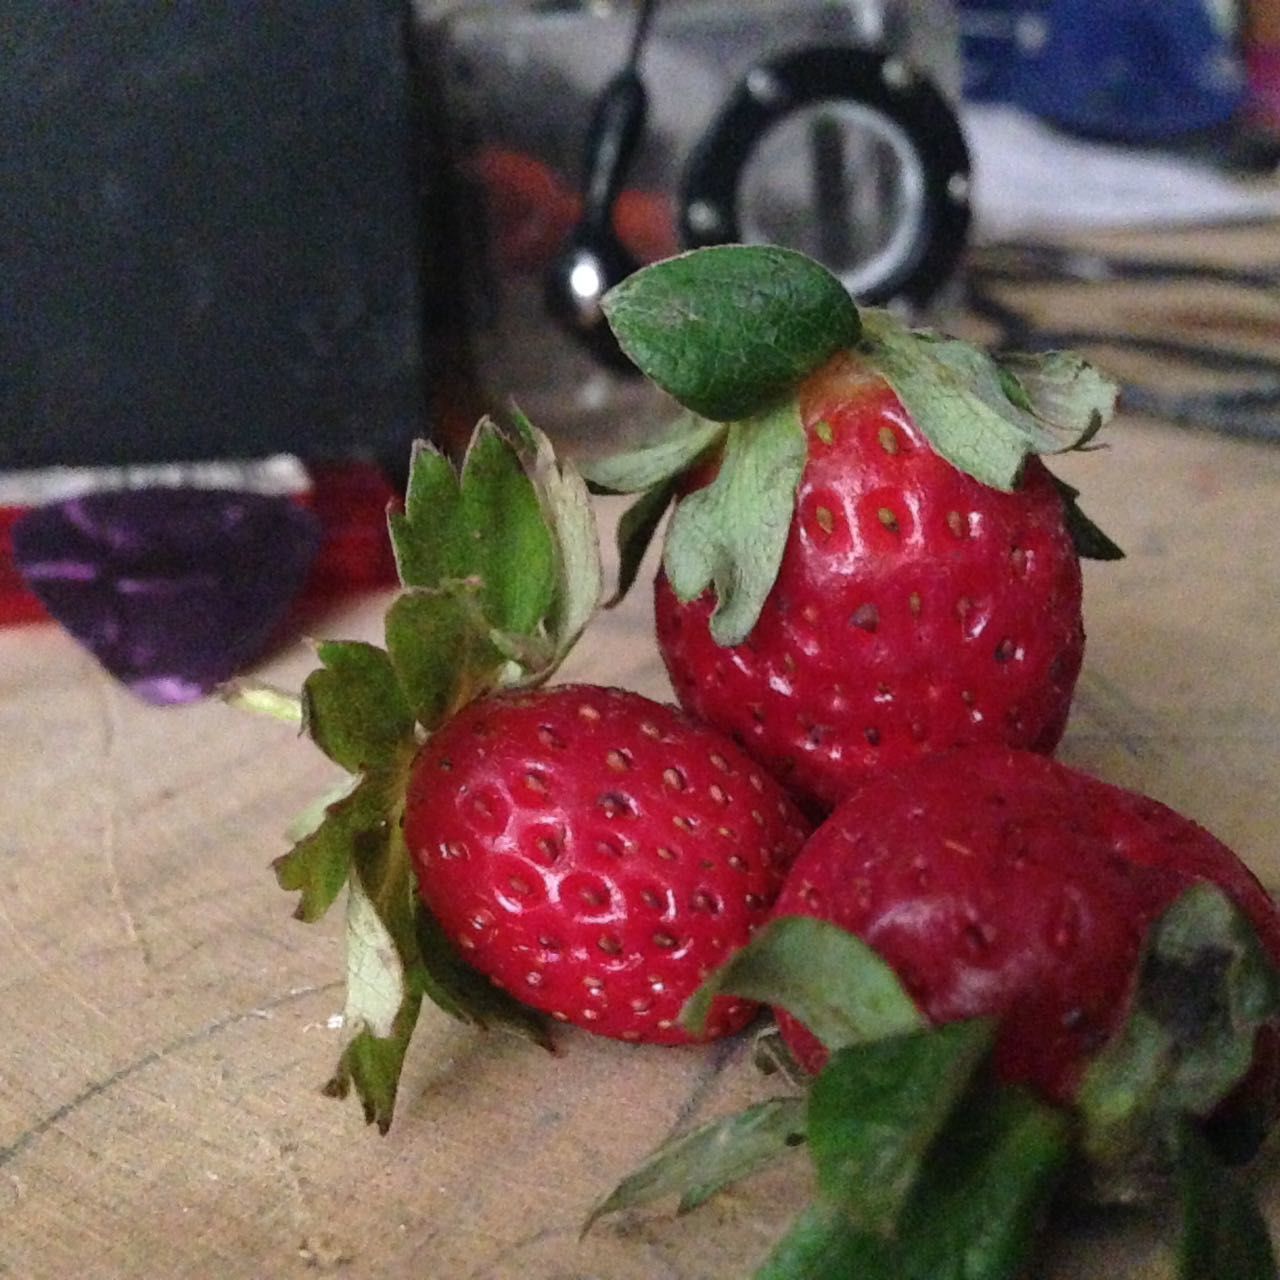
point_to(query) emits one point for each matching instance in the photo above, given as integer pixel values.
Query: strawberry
(1007, 978)
(597, 853)
(998, 883)
(592, 852)
(914, 608)
(868, 562)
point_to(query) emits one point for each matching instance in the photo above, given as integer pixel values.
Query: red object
(597, 853)
(533, 212)
(1002, 884)
(1263, 64)
(915, 608)
(17, 604)
(351, 500)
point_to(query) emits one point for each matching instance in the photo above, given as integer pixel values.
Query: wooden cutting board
(165, 1025)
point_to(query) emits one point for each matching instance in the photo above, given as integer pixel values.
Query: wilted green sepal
(726, 330)
(1202, 955)
(679, 449)
(876, 1109)
(986, 417)
(974, 1213)
(1090, 542)
(566, 508)
(396, 956)
(1223, 1232)
(697, 1164)
(636, 528)
(373, 1065)
(384, 966)
(353, 708)
(822, 975)
(318, 863)
(486, 524)
(463, 993)
(732, 533)
(1062, 390)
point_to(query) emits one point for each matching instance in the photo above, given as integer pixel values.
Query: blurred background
(297, 236)
(231, 231)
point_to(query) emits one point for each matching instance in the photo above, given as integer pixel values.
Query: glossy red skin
(999, 883)
(597, 853)
(879, 644)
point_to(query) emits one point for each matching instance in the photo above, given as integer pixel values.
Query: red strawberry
(915, 608)
(1001, 884)
(597, 854)
(867, 562)
(982, 921)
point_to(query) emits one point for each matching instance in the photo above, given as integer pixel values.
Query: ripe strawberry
(1006, 978)
(868, 563)
(915, 608)
(597, 854)
(998, 883)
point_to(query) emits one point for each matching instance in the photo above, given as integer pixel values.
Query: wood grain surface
(165, 1024)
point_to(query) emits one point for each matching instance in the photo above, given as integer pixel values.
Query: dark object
(911, 172)
(595, 259)
(210, 239)
(172, 590)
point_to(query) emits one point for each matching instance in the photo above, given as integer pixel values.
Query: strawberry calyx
(1205, 988)
(501, 573)
(923, 1155)
(730, 332)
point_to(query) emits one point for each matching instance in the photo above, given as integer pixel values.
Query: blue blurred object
(1125, 70)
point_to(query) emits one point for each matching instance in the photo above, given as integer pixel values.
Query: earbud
(594, 259)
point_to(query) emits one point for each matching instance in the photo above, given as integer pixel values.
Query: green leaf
(1205, 987)
(377, 982)
(687, 441)
(428, 543)
(566, 508)
(636, 528)
(354, 708)
(487, 524)
(727, 329)
(732, 533)
(1089, 540)
(1224, 1235)
(396, 955)
(385, 972)
(318, 864)
(960, 398)
(876, 1109)
(697, 1164)
(311, 818)
(373, 1065)
(823, 976)
(441, 650)
(973, 1214)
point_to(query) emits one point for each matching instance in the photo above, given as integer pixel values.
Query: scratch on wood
(99, 1087)
(107, 847)
(108, 723)
(30, 952)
